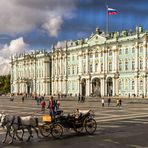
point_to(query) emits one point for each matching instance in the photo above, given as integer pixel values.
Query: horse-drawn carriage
(78, 121)
(54, 126)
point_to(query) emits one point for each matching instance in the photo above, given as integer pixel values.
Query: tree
(5, 84)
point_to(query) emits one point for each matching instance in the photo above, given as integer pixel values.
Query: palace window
(141, 64)
(133, 85)
(84, 56)
(84, 68)
(141, 85)
(90, 55)
(133, 50)
(96, 67)
(90, 68)
(110, 66)
(126, 51)
(120, 51)
(119, 85)
(101, 54)
(77, 69)
(96, 54)
(73, 70)
(120, 66)
(110, 52)
(68, 58)
(126, 65)
(73, 57)
(101, 66)
(69, 70)
(141, 49)
(133, 65)
(126, 84)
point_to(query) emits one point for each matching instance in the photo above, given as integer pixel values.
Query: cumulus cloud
(53, 25)
(19, 16)
(15, 46)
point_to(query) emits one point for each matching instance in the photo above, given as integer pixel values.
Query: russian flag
(112, 11)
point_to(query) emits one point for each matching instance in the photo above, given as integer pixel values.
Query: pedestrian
(50, 106)
(79, 98)
(117, 104)
(43, 104)
(120, 102)
(23, 97)
(102, 101)
(58, 105)
(109, 101)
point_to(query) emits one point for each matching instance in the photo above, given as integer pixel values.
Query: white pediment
(96, 39)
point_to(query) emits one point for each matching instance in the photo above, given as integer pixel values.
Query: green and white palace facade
(115, 64)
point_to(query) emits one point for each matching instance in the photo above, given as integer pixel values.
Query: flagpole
(107, 20)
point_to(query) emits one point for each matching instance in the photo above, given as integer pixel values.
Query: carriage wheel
(45, 130)
(90, 126)
(57, 130)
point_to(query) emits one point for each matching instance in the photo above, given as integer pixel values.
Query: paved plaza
(131, 116)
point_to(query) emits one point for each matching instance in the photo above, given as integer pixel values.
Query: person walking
(79, 98)
(50, 106)
(102, 101)
(120, 102)
(117, 104)
(109, 101)
(43, 104)
(23, 97)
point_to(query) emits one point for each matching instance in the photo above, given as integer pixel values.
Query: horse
(14, 123)
(7, 126)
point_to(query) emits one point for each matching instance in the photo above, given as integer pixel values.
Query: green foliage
(5, 84)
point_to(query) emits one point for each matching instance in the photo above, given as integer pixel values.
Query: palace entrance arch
(109, 86)
(96, 87)
(83, 87)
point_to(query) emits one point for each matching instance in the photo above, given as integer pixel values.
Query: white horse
(15, 123)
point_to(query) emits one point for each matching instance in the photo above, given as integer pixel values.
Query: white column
(60, 65)
(56, 65)
(136, 86)
(117, 86)
(102, 86)
(144, 85)
(93, 63)
(87, 64)
(80, 64)
(144, 56)
(99, 62)
(87, 87)
(57, 89)
(80, 87)
(114, 86)
(137, 53)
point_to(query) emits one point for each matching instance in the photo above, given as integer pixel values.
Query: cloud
(21, 16)
(53, 25)
(15, 46)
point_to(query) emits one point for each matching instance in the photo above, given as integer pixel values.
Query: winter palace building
(100, 65)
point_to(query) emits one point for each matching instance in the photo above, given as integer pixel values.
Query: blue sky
(36, 24)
